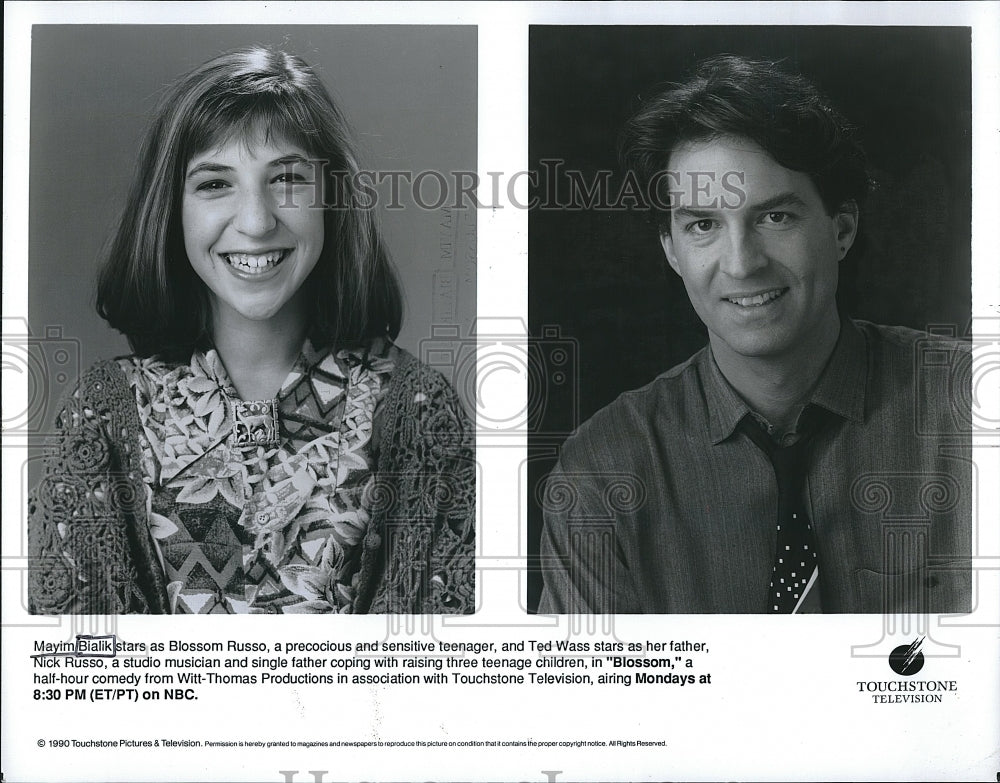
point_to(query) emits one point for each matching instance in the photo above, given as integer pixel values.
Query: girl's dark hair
(784, 114)
(147, 288)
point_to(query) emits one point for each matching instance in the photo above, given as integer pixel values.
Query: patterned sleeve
(452, 495)
(82, 514)
(425, 496)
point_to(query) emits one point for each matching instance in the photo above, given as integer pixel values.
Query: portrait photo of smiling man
(803, 461)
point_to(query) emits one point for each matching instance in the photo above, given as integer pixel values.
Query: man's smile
(756, 299)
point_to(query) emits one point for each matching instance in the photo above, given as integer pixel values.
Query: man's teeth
(255, 263)
(759, 299)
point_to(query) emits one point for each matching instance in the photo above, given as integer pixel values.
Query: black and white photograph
(757, 243)
(246, 431)
(622, 375)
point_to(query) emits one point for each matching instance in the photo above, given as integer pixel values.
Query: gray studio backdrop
(409, 93)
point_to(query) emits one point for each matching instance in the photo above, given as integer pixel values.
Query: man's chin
(758, 344)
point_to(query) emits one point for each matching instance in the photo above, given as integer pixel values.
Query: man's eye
(700, 226)
(777, 218)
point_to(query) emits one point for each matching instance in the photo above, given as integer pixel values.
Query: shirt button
(263, 517)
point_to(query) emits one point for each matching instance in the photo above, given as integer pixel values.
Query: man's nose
(255, 213)
(743, 255)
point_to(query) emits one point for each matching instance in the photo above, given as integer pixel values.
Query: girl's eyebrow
(290, 159)
(210, 166)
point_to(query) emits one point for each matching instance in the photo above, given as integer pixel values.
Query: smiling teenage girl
(266, 448)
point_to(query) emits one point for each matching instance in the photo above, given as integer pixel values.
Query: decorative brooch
(255, 423)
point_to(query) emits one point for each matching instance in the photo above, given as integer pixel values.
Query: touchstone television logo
(907, 659)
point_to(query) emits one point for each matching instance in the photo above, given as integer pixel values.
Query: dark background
(606, 312)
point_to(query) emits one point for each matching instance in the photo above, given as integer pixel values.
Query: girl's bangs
(253, 121)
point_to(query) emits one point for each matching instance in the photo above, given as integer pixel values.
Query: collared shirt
(658, 504)
(260, 506)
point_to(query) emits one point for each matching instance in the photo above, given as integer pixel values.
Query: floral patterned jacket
(98, 535)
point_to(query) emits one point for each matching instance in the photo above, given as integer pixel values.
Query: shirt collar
(321, 365)
(209, 364)
(843, 383)
(725, 407)
(840, 388)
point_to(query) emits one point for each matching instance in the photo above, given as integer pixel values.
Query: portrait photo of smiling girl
(265, 446)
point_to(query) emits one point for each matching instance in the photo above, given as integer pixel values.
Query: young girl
(266, 448)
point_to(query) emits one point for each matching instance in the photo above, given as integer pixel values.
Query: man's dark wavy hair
(147, 288)
(784, 114)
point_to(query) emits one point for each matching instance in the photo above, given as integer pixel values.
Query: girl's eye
(291, 178)
(212, 185)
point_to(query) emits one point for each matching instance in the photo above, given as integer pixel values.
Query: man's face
(756, 249)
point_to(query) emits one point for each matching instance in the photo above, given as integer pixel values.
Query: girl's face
(252, 216)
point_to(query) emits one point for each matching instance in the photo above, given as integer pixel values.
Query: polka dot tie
(796, 564)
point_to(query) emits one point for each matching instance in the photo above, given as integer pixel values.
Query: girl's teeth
(255, 263)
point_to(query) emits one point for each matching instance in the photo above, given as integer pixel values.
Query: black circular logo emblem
(907, 658)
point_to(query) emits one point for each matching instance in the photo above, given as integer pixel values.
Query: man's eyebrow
(788, 199)
(693, 212)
